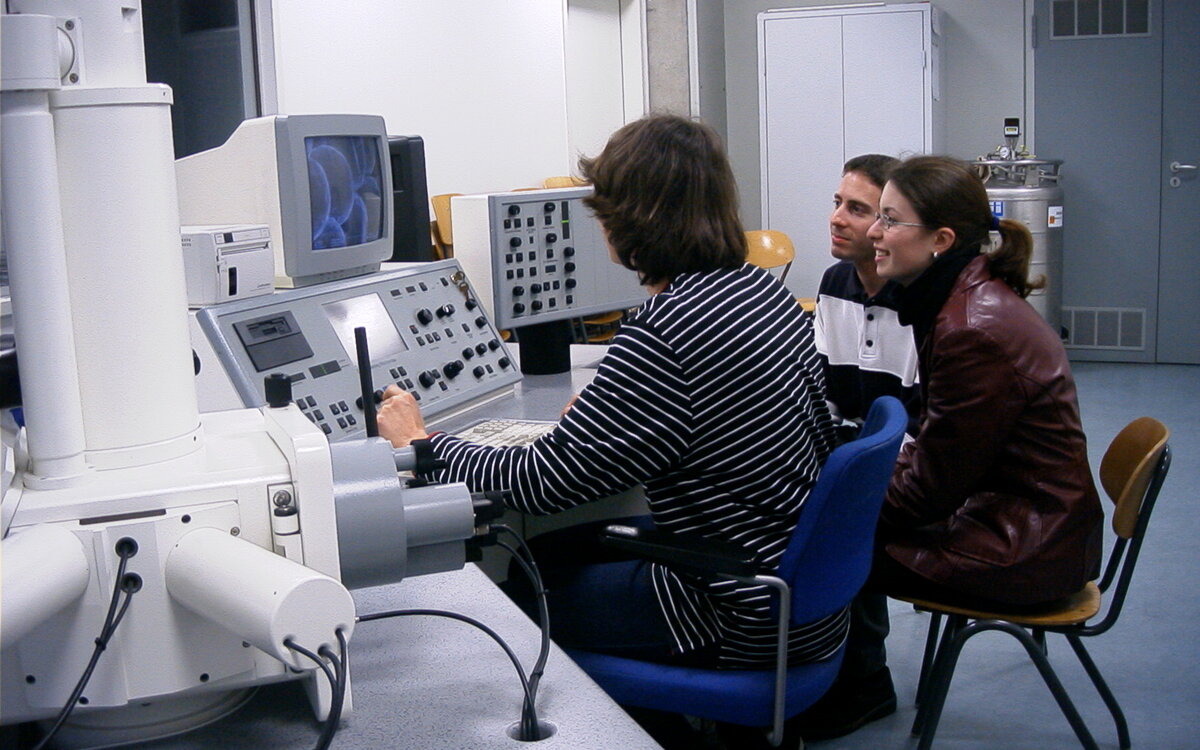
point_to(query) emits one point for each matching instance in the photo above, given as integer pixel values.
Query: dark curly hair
(666, 197)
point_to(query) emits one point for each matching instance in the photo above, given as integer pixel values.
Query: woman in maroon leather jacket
(993, 503)
(994, 499)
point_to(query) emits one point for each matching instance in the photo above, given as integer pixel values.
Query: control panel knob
(548, 206)
(535, 288)
(445, 311)
(478, 372)
(568, 266)
(481, 349)
(536, 305)
(551, 237)
(504, 363)
(481, 322)
(514, 242)
(471, 303)
(568, 251)
(514, 209)
(518, 308)
(518, 291)
(427, 378)
(378, 397)
(468, 353)
(424, 316)
(571, 283)
(494, 344)
(452, 369)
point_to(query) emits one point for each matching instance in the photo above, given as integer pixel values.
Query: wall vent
(1112, 328)
(1081, 19)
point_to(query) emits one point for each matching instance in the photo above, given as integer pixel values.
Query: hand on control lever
(400, 418)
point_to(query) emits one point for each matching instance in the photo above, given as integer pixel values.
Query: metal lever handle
(1177, 167)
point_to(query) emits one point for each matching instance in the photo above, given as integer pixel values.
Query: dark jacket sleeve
(974, 400)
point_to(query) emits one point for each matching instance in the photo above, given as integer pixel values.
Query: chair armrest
(694, 553)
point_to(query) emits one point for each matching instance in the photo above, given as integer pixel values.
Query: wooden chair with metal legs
(767, 248)
(1131, 473)
(443, 227)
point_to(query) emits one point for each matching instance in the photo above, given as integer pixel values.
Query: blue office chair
(824, 566)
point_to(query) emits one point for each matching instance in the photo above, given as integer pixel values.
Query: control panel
(539, 256)
(426, 332)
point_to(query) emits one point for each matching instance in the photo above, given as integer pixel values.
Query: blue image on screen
(345, 190)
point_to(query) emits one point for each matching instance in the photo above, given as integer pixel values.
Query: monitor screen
(345, 190)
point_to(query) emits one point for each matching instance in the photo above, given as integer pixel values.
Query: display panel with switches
(539, 255)
(426, 331)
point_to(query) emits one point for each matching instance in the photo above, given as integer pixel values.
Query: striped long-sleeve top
(711, 396)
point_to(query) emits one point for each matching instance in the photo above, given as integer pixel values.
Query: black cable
(338, 678)
(531, 730)
(461, 618)
(111, 620)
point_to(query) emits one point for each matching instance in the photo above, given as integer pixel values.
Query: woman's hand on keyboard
(400, 418)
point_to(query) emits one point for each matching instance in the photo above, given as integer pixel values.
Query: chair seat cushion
(1071, 610)
(741, 697)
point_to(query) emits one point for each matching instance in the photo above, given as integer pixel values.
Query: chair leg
(1039, 637)
(1038, 655)
(930, 711)
(932, 683)
(1110, 700)
(935, 624)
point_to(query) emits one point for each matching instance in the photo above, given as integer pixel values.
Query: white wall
(483, 82)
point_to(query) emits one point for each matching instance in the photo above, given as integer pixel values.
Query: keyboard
(505, 431)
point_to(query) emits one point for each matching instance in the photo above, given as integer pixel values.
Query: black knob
(518, 291)
(515, 242)
(536, 305)
(359, 403)
(478, 371)
(548, 206)
(568, 266)
(504, 363)
(278, 390)
(568, 251)
(535, 288)
(551, 237)
(481, 322)
(452, 369)
(494, 344)
(471, 303)
(379, 397)
(514, 209)
(445, 311)
(481, 349)
(518, 308)
(468, 353)
(424, 317)
(427, 378)
(571, 283)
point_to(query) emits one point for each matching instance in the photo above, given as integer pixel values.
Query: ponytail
(1010, 261)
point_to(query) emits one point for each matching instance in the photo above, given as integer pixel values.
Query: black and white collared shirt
(867, 353)
(711, 396)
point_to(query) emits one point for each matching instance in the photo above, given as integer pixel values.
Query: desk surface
(430, 682)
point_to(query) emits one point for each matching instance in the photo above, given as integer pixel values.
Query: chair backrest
(1127, 468)
(443, 225)
(768, 248)
(1132, 472)
(829, 555)
(564, 182)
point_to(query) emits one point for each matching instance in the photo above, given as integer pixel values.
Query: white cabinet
(835, 83)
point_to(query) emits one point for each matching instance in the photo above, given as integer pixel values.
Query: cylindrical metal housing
(116, 172)
(45, 569)
(1033, 197)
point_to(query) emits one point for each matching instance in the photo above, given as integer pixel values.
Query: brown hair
(945, 193)
(666, 197)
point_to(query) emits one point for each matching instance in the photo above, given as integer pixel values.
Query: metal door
(1117, 100)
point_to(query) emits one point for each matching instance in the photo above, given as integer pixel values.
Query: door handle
(1176, 167)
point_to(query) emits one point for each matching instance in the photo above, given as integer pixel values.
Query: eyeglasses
(890, 223)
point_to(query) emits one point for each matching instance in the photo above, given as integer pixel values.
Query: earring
(935, 254)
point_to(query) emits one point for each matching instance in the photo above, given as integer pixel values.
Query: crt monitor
(322, 183)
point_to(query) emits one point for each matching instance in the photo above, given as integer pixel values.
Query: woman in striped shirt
(710, 396)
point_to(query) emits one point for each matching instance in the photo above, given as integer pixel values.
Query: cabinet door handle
(1177, 167)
